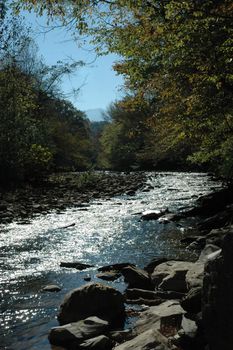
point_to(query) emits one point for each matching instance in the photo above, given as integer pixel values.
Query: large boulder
(136, 278)
(217, 297)
(151, 339)
(171, 275)
(73, 334)
(93, 299)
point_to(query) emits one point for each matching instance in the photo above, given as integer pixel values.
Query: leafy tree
(176, 56)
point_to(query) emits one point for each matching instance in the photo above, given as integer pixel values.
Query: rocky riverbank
(62, 191)
(184, 305)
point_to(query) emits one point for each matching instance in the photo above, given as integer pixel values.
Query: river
(105, 231)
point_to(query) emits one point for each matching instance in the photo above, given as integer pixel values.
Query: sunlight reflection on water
(106, 232)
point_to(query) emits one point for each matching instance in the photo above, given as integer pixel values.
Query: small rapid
(105, 231)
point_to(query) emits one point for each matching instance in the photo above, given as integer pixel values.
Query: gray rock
(98, 343)
(149, 340)
(93, 299)
(51, 288)
(136, 278)
(75, 333)
(173, 272)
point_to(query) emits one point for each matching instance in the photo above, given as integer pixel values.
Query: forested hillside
(177, 61)
(40, 130)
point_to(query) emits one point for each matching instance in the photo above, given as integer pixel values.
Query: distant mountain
(95, 115)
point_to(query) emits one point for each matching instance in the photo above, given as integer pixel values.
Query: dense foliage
(40, 131)
(177, 61)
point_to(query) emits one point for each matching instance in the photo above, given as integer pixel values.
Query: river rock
(136, 278)
(51, 288)
(98, 343)
(93, 299)
(171, 275)
(151, 339)
(75, 333)
(109, 275)
(76, 265)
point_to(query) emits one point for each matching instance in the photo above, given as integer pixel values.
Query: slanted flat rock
(166, 315)
(93, 299)
(77, 332)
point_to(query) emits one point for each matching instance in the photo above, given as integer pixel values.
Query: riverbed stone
(75, 333)
(136, 278)
(51, 288)
(93, 299)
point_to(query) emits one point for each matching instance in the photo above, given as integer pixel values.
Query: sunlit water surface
(106, 231)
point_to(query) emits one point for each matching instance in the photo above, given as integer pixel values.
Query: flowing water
(105, 231)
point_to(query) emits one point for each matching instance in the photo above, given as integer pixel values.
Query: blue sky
(99, 84)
